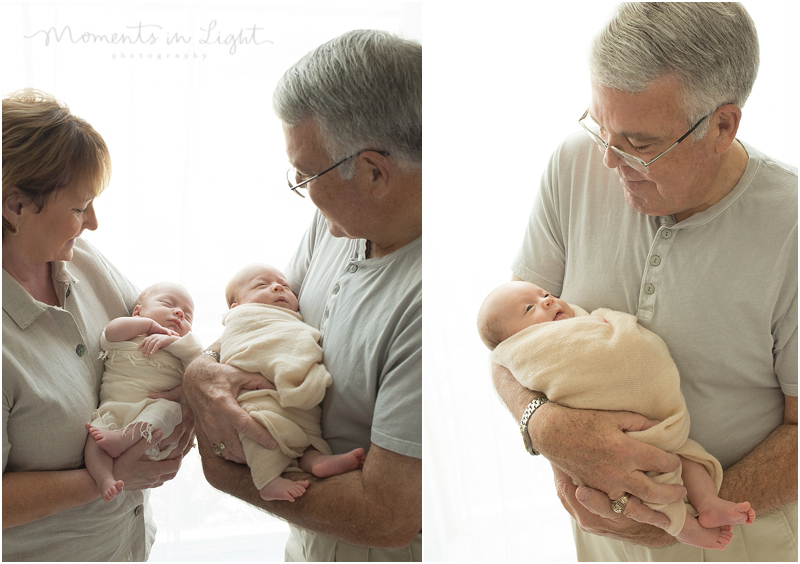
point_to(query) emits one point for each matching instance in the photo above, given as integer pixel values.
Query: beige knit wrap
(608, 361)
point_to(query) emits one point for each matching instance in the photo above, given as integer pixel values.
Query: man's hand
(593, 448)
(591, 509)
(211, 389)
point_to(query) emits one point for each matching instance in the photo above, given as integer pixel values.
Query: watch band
(213, 354)
(523, 423)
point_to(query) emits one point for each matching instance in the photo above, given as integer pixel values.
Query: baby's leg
(712, 510)
(118, 441)
(100, 466)
(283, 489)
(694, 534)
(324, 465)
(266, 466)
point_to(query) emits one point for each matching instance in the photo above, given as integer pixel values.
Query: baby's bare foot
(335, 464)
(114, 443)
(694, 534)
(111, 488)
(284, 489)
(727, 513)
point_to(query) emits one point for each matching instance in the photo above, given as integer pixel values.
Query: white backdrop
(503, 86)
(198, 189)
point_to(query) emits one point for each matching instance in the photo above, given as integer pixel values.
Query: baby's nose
(179, 313)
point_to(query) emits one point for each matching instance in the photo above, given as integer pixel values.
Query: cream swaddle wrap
(608, 361)
(130, 377)
(277, 343)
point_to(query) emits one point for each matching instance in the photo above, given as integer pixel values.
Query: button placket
(653, 270)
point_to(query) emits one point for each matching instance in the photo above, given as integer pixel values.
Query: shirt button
(336, 289)
(655, 260)
(137, 511)
(649, 289)
(327, 312)
(80, 349)
(666, 234)
(353, 267)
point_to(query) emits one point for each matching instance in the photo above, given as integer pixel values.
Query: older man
(352, 117)
(678, 222)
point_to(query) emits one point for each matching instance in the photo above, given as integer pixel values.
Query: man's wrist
(525, 420)
(212, 353)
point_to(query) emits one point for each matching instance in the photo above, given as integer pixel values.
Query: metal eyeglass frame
(292, 172)
(630, 159)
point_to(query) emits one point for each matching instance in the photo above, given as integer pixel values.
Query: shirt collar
(22, 307)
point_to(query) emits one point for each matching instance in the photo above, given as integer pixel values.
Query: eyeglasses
(293, 177)
(634, 162)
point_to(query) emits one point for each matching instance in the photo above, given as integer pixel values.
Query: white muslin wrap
(608, 361)
(129, 378)
(275, 342)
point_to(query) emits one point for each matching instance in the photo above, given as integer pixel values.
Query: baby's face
(170, 305)
(265, 285)
(518, 305)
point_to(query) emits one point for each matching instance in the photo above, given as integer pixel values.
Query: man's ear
(378, 172)
(726, 124)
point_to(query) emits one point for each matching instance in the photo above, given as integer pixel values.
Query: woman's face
(49, 234)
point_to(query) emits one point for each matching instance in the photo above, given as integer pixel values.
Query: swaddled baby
(608, 361)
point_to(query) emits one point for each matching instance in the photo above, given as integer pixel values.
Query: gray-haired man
(700, 243)
(352, 117)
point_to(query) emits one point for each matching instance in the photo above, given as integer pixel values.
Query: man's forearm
(357, 507)
(767, 477)
(514, 395)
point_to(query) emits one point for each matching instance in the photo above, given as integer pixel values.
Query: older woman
(58, 295)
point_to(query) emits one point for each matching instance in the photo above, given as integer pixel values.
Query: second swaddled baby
(265, 333)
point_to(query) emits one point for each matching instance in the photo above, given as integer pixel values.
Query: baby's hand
(157, 329)
(152, 343)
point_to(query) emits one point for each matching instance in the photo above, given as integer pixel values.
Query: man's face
(645, 124)
(339, 200)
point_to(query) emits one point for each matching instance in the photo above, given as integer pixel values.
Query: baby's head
(514, 306)
(167, 303)
(260, 284)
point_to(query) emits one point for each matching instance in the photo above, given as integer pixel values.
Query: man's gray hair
(710, 47)
(364, 89)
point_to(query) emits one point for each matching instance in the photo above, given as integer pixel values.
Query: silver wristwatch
(523, 423)
(213, 354)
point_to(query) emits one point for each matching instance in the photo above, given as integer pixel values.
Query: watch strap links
(523, 423)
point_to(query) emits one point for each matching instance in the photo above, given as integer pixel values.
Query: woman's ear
(13, 202)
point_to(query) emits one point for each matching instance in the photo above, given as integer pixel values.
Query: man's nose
(610, 158)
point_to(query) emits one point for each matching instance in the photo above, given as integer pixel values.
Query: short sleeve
(397, 425)
(541, 258)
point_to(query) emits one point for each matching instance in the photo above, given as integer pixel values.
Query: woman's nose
(90, 219)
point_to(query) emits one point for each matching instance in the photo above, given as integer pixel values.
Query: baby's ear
(136, 309)
(233, 305)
